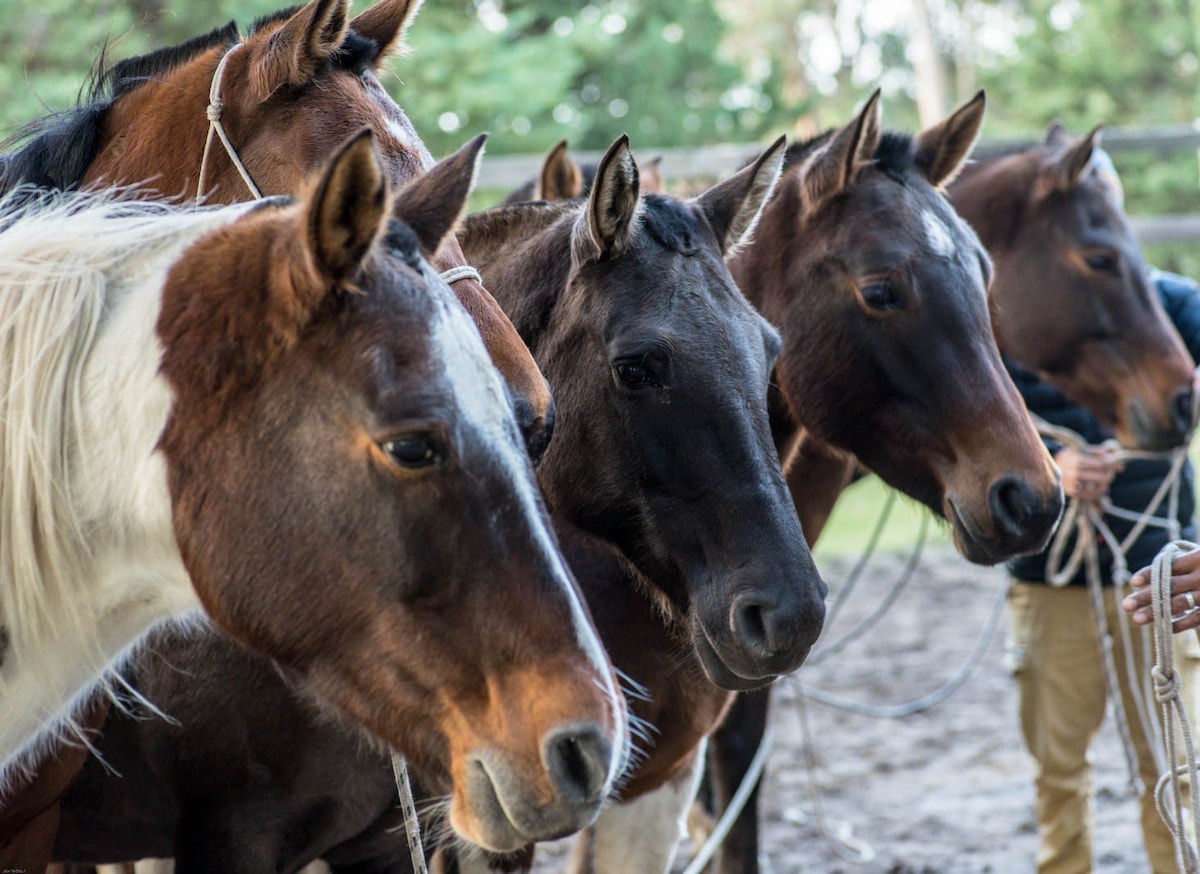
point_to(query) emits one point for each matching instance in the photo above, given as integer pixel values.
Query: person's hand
(1185, 582)
(1087, 474)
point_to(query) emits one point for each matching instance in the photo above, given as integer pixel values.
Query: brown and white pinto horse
(292, 91)
(249, 405)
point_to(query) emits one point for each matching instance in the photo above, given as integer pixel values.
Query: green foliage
(538, 70)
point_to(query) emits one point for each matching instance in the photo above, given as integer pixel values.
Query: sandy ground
(948, 791)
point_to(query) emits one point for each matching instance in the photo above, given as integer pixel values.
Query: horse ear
(942, 149)
(560, 178)
(1055, 134)
(612, 206)
(386, 23)
(432, 204)
(1064, 169)
(832, 167)
(347, 210)
(652, 179)
(296, 51)
(732, 207)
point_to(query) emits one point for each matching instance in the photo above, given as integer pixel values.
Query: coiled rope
(1174, 716)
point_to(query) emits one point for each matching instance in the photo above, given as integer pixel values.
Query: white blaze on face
(484, 407)
(939, 236)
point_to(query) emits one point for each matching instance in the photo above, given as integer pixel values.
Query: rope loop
(1166, 685)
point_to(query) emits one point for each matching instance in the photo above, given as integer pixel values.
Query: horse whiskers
(630, 687)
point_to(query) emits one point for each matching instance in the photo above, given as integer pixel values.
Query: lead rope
(1174, 715)
(408, 808)
(215, 107)
(1085, 519)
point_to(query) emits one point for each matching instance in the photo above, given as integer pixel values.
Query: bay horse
(1072, 300)
(235, 408)
(291, 91)
(1068, 272)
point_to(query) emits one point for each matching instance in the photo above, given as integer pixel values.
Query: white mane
(67, 262)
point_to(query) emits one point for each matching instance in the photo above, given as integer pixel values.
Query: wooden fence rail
(509, 171)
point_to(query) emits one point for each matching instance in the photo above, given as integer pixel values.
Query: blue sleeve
(1181, 299)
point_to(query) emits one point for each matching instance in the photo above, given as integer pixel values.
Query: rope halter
(215, 107)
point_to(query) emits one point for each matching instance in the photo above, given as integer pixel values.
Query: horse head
(661, 368)
(350, 495)
(880, 292)
(1071, 299)
(286, 96)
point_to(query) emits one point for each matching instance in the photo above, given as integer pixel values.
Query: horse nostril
(750, 623)
(577, 760)
(1181, 410)
(1013, 505)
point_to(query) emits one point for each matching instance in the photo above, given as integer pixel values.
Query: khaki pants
(1055, 655)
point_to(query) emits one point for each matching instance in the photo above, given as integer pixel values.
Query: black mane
(893, 155)
(59, 147)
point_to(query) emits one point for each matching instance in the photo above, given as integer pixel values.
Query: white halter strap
(465, 271)
(215, 107)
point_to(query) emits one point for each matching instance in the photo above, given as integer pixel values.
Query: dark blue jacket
(1134, 487)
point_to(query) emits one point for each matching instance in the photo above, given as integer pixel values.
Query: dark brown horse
(866, 269)
(292, 90)
(329, 422)
(1068, 271)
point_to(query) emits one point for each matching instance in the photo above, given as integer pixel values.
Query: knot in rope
(213, 112)
(1166, 684)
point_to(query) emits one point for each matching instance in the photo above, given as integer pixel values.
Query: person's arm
(1185, 579)
(1181, 299)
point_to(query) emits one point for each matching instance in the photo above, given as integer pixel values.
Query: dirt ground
(945, 792)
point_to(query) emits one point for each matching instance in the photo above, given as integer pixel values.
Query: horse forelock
(670, 223)
(893, 156)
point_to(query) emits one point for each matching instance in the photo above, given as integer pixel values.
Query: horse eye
(880, 296)
(1102, 262)
(415, 451)
(633, 375)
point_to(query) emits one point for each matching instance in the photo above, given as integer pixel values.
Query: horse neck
(157, 119)
(761, 268)
(89, 559)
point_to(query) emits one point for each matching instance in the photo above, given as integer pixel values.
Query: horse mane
(63, 257)
(893, 156)
(59, 147)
